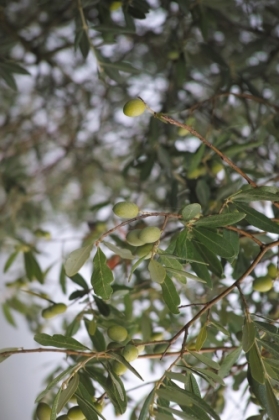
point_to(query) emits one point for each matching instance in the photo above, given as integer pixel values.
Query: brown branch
(170, 120)
(244, 233)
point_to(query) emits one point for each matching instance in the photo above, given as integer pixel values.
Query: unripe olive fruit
(125, 210)
(115, 5)
(53, 310)
(196, 173)
(157, 336)
(117, 333)
(63, 417)
(216, 167)
(150, 234)
(133, 238)
(118, 368)
(272, 270)
(75, 413)
(43, 411)
(144, 251)
(134, 108)
(138, 344)
(99, 407)
(262, 284)
(160, 348)
(130, 352)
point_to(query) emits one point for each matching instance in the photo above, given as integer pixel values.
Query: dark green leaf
(214, 242)
(62, 279)
(220, 220)
(229, 361)
(170, 295)
(248, 335)
(255, 364)
(67, 393)
(209, 258)
(121, 359)
(98, 340)
(10, 261)
(116, 391)
(59, 341)
(206, 360)
(257, 194)
(102, 276)
(55, 381)
(85, 402)
(79, 280)
(7, 314)
(102, 306)
(255, 218)
(55, 404)
(32, 268)
(201, 338)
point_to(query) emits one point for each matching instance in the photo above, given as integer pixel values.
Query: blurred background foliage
(68, 153)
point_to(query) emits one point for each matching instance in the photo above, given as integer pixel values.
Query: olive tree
(175, 201)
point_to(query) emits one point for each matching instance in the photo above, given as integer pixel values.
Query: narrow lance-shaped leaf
(67, 393)
(102, 276)
(255, 364)
(255, 218)
(59, 341)
(144, 413)
(54, 405)
(76, 260)
(248, 335)
(214, 242)
(220, 220)
(229, 361)
(206, 360)
(201, 338)
(122, 252)
(170, 295)
(85, 402)
(256, 194)
(10, 261)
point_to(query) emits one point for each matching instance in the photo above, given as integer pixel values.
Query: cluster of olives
(265, 283)
(144, 238)
(43, 412)
(53, 310)
(130, 351)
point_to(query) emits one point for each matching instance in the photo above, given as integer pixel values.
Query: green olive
(272, 270)
(63, 417)
(157, 336)
(53, 310)
(125, 210)
(117, 333)
(133, 238)
(196, 173)
(138, 344)
(130, 352)
(216, 167)
(150, 234)
(43, 411)
(263, 284)
(99, 407)
(144, 251)
(118, 368)
(134, 108)
(75, 413)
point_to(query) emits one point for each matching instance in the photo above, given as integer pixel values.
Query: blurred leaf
(122, 252)
(55, 404)
(55, 381)
(116, 391)
(170, 295)
(60, 341)
(76, 260)
(32, 268)
(79, 280)
(62, 279)
(201, 338)
(86, 404)
(102, 276)
(10, 261)
(121, 359)
(8, 315)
